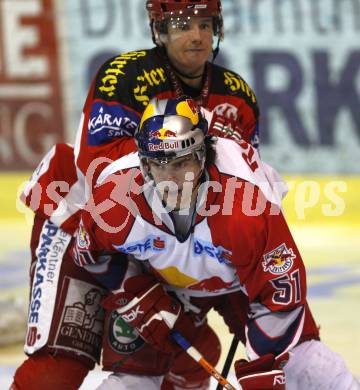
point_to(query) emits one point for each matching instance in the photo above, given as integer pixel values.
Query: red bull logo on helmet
(279, 260)
(162, 134)
(163, 146)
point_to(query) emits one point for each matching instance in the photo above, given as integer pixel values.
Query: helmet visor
(182, 24)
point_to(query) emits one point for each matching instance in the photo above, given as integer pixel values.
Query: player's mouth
(195, 50)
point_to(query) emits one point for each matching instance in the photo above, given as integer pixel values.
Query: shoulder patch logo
(108, 121)
(83, 239)
(279, 260)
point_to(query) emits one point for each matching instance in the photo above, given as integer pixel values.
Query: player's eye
(205, 26)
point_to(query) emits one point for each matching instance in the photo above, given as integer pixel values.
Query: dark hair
(210, 152)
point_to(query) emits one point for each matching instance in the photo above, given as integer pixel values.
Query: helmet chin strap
(185, 75)
(216, 50)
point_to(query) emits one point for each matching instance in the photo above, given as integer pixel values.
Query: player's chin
(195, 59)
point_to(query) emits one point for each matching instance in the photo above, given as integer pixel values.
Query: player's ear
(146, 169)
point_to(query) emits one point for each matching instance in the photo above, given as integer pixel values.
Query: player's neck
(193, 79)
(192, 82)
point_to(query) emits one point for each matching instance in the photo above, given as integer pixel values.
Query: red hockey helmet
(160, 11)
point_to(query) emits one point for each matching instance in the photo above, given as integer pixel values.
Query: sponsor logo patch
(81, 325)
(226, 110)
(222, 255)
(150, 243)
(163, 146)
(53, 243)
(279, 260)
(235, 83)
(108, 121)
(148, 80)
(116, 70)
(83, 240)
(123, 338)
(32, 336)
(197, 6)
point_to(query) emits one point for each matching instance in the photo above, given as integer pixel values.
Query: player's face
(189, 43)
(171, 177)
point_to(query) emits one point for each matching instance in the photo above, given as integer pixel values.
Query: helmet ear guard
(218, 27)
(145, 169)
(158, 28)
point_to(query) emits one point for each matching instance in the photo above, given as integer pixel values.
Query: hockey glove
(264, 373)
(146, 306)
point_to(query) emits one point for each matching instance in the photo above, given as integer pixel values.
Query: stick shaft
(229, 359)
(196, 355)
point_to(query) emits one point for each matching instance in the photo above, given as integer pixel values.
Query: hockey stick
(196, 355)
(229, 359)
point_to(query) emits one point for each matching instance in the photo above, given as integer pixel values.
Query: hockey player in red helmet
(185, 30)
(187, 35)
(163, 13)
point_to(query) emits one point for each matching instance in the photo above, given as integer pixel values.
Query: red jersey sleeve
(271, 269)
(275, 273)
(105, 221)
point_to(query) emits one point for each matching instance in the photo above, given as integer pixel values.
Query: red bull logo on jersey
(212, 284)
(279, 260)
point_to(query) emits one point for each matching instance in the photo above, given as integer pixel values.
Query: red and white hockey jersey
(239, 239)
